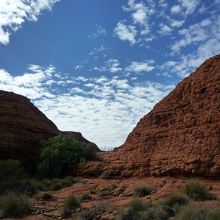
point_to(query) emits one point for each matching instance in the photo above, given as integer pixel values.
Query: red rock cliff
(181, 135)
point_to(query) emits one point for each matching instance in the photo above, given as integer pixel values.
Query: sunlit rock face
(181, 135)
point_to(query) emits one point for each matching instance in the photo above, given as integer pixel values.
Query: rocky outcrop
(180, 136)
(22, 128)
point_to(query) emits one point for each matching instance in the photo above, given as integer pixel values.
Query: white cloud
(104, 109)
(189, 62)
(165, 29)
(175, 9)
(14, 13)
(197, 33)
(126, 32)
(189, 6)
(140, 67)
(28, 84)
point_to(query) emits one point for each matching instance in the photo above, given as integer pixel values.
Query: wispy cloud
(14, 13)
(114, 66)
(99, 32)
(104, 109)
(138, 67)
(126, 32)
(196, 33)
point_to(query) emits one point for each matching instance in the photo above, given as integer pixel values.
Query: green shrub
(155, 212)
(134, 210)
(214, 214)
(13, 206)
(143, 191)
(58, 155)
(176, 200)
(69, 206)
(192, 212)
(197, 191)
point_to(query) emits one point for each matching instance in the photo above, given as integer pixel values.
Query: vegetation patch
(143, 191)
(69, 207)
(197, 191)
(192, 212)
(14, 206)
(175, 201)
(214, 214)
(58, 156)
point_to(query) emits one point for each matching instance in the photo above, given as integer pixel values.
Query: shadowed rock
(23, 127)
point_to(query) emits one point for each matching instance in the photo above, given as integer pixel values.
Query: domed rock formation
(180, 136)
(23, 127)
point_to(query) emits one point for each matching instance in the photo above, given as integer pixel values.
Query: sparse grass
(155, 212)
(143, 191)
(214, 214)
(105, 174)
(134, 210)
(174, 201)
(192, 212)
(69, 207)
(197, 191)
(105, 193)
(100, 207)
(14, 206)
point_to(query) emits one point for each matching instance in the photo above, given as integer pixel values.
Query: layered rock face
(180, 136)
(22, 128)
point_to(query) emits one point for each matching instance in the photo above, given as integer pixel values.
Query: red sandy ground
(164, 186)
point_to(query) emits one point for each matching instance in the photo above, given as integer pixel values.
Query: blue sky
(99, 66)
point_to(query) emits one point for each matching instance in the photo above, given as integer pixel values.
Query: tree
(59, 153)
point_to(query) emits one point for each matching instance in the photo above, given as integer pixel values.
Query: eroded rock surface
(180, 136)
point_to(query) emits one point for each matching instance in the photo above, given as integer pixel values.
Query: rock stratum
(23, 127)
(180, 136)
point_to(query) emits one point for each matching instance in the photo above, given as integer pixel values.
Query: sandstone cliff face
(180, 136)
(22, 127)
